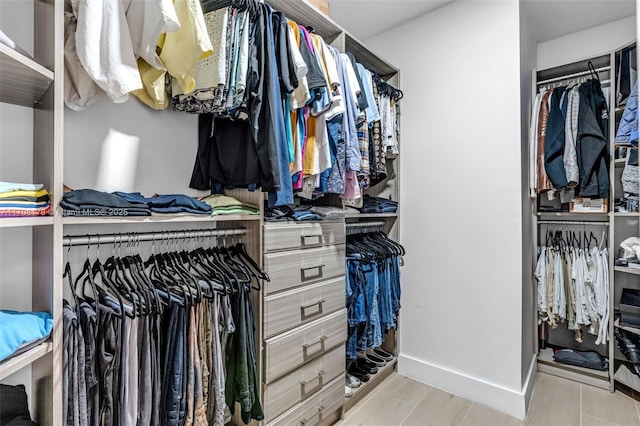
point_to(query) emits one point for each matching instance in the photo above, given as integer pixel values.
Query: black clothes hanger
(593, 72)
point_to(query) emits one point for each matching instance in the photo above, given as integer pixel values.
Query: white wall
(461, 318)
(585, 44)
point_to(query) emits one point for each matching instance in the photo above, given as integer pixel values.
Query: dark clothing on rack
(592, 146)
(286, 66)
(554, 142)
(362, 98)
(315, 75)
(14, 407)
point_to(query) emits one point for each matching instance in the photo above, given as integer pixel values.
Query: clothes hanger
(593, 72)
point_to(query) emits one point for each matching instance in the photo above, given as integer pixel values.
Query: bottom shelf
(625, 376)
(547, 364)
(18, 362)
(365, 388)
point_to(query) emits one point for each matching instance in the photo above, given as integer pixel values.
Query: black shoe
(367, 366)
(383, 354)
(376, 359)
(356, 371)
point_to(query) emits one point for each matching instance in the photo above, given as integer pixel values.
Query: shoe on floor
(357, 372)
(381, 353)
(366, 365)
(348, 391)
(352, 381)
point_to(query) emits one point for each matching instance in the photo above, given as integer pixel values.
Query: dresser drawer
(303, 383)
(290, 350)
(302, 235)
(313, 410)
(290, 309)
(296, 267)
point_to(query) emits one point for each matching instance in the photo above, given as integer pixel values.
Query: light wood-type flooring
(555, 402)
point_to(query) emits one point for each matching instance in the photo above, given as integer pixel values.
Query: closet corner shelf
(22, 81)
(547, 364)
(626, 214)
(71, 220)
(633, 330)
(18, 362)
(627, 378)
(15, 222)
(627, 270)
(359, 393)
(369, 215)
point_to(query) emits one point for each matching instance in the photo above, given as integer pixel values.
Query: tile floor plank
(555, 401)
(390, 405)
(615, 407)
(479, 415)
(593, 421)
(438, 408)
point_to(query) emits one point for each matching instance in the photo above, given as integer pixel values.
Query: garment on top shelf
(224, 204)
(22, 328)
(167, 203)
(88, 202)
(12, 186)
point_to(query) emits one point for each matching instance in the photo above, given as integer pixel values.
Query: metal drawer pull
(304, 384)
(306, 277)
(306, 346)
(319, 311)
(303, 422)
(307, 240)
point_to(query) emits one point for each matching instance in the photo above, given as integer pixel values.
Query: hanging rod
(569, 76)
(84, 240)
(572, 222)
(372, 224)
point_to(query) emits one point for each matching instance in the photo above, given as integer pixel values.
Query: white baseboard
(514, 403)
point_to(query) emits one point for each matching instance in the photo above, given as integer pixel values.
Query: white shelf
(626, 214)
(14, 222)
(170, 218)
(627, 270)
(22, 80)
(626, 327)
(620, 162)
(18, 362)
(547, 364)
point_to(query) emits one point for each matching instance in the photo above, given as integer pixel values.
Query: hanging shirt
(103, 45)
(147, 20)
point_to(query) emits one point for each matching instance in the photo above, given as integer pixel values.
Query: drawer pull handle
(305, 277)
(307, 240)
(306, 346)
(303, 422)
(303, 385)
(319, 311)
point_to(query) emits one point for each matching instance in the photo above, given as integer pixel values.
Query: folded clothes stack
(286, 213)
(329, 212)
(224, 204)
(14, 406)
(378, 205)
(88, 202)
(168, 203)
(20, 331)
(23, 199)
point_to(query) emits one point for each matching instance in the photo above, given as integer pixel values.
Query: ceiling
(549, 19)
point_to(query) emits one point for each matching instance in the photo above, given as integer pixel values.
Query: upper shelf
(165, 218)
(304, 13)
(22, 80)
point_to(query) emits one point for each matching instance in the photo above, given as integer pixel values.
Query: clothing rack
(574, 75)
(362, 227)
(572, 222)
(84, 240)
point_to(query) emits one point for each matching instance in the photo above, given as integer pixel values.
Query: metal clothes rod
(569, 76)
(84, 240)
(571, 222)
(372, 224)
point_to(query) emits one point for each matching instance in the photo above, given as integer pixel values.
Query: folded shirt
(88, 202)
(6, 196)
(12, 186)
(168, 203)
(26, 204)
(41, 193)
(329, 212)
(21, 328)
(224, 204)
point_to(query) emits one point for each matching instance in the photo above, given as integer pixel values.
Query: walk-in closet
(318, 212)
